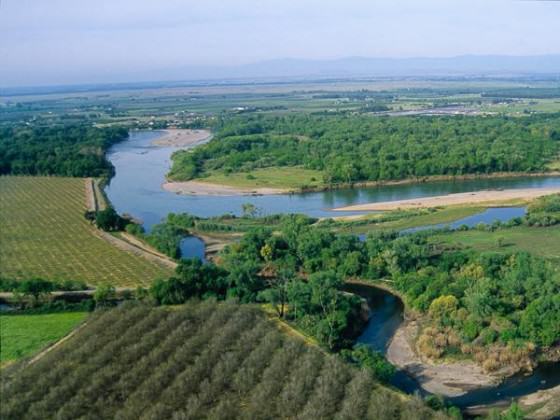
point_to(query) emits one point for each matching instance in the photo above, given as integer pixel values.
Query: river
(136, 190)
(386, 315)
(140, 170)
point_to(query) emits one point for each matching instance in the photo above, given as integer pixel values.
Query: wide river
(136, 189)
(141, 168)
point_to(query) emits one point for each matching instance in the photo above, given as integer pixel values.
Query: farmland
(45, 234)
(196, 361)
(23, 335)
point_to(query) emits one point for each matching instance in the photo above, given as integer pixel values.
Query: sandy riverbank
(181, 137)
(543, 404)
(450, 379)
(205, 188)
(478, 197)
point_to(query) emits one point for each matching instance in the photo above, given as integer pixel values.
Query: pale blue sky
(74, 41)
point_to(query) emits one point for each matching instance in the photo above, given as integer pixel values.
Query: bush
(373, 361)
(193, 280)
(109, 220)
(104, 295)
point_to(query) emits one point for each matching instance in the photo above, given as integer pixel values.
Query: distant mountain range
(364, 67)
(282, 70)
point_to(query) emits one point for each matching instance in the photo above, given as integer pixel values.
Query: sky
(46, 42)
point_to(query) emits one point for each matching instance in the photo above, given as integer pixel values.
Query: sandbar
(206, 188)
(176, 137)
(476, 197)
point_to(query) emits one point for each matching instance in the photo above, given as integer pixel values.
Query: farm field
(45, 234)
(23, 335)
(200, 360)
(544, 242)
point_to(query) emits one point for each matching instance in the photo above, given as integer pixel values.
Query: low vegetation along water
(136, 190)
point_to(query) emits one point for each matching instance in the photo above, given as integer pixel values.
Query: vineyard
(45, 234)
(201, 360)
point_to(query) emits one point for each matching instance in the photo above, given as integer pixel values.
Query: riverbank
(201, 187)
(174, 137)
(486, 197)
(205, 188)
(450, 379)
(544, 404)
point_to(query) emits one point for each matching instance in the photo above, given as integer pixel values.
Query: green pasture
(544, 242)
(23, 335)
(284, 178)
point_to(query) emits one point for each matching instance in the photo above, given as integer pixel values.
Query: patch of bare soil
(449, 379)
(182, 138)
(205, 188)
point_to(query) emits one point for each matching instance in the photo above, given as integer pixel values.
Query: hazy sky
(72, 41)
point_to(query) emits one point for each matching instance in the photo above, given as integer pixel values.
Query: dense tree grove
(69, 150)
(200, 361)
(544, 211)
(499, 307)
(357, 148)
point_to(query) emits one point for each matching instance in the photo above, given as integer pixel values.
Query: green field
(287, 177)
(544, 242)
(23, 335)
(45, 234)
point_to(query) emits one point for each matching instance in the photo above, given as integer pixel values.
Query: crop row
(202, 360)
(45, 234)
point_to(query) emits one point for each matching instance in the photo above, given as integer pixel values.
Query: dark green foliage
(109, 220)
(36, 288)
(72, 150)
(356, 148)
(199, 361)
(166, 238)
(7, 285)
(263, 265)
(105, 295)
(192, 279)
(54, 306)
(34, 296)
(182, 220)
(374, 362)
(540, 322)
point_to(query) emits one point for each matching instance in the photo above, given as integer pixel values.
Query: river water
(136, 190)
(141, 168)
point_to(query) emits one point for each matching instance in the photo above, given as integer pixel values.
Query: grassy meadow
(23, 335)
(544, 242)
(45, 234)
(287, 177)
